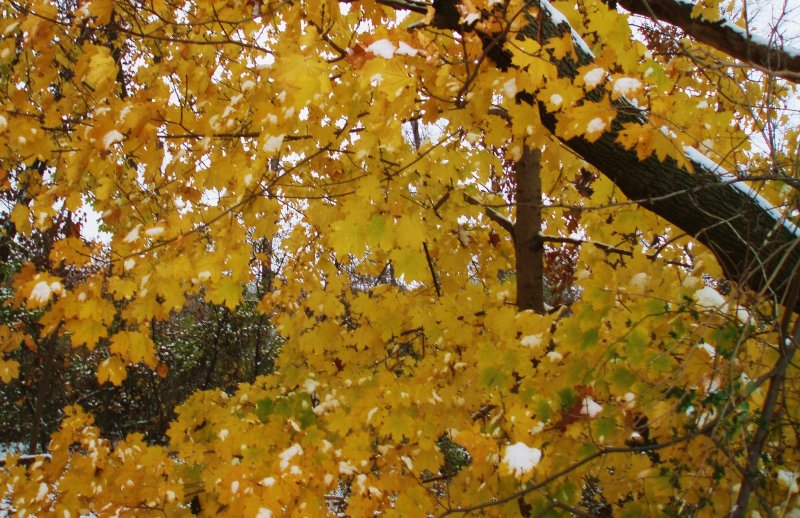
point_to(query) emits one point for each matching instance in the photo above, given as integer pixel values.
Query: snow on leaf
(288, 454)
(710, 298)
(626, 85)
(111, 138)
(590, 408)
(272, 143)
(788, 479)
(41, 292)
(154, 231)
(520, 459)
(593, 77)
(133, 235)
(596, 125)
(383, 48)
(404, 49)
(531, 341)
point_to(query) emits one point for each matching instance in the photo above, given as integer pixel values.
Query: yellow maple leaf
(9, 370)
(227, 291)
(85, 331)
(111, 369)
(135, 347)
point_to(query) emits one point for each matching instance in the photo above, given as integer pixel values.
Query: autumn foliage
(348, 169)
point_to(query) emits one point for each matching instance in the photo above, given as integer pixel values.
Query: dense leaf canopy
(525, 258)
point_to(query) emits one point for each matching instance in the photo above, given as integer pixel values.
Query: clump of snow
(556, 100)
(626, 85)
(272, 143)
(263, 512)
(383, 48)
(554, 356)
(111, 138)
(3, 123)
(223, 434)
(710, 298)
(41, 292)
(593, 77)
(310, 385)
(133, 235)
(155, 231)
(708, 348)
(521, 458)
(590, 408)
(404, 49)
(531, 341)
(596, 125)
(788, 479)
(471, 18)
(345, 468)
(288, 454)
(510, 88)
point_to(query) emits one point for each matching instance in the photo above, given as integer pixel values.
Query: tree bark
(528, 245)
(753, 248)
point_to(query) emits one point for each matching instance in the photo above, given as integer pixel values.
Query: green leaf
(264, 409)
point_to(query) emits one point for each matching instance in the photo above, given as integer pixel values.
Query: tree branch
(724, 36)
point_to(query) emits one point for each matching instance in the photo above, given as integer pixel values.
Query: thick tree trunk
(528, 245)
(753, 248)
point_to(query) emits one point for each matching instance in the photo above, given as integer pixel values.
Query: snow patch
(703, 161)
(560, 19)
(590, 408)
(133, 235)
(272, 143)
(532, 341)
(626, 85)
(521, 458)
(556, 100)
(404, 49)
(710, 298)
(383, 48)
(593, 77)
(111, 138)
(596, 125)
(155, 231)
(510, 88)
(41, 292)
(288, 454)
(788, 479)
(310, 385)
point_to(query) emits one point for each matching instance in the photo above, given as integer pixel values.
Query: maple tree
(522, 263)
